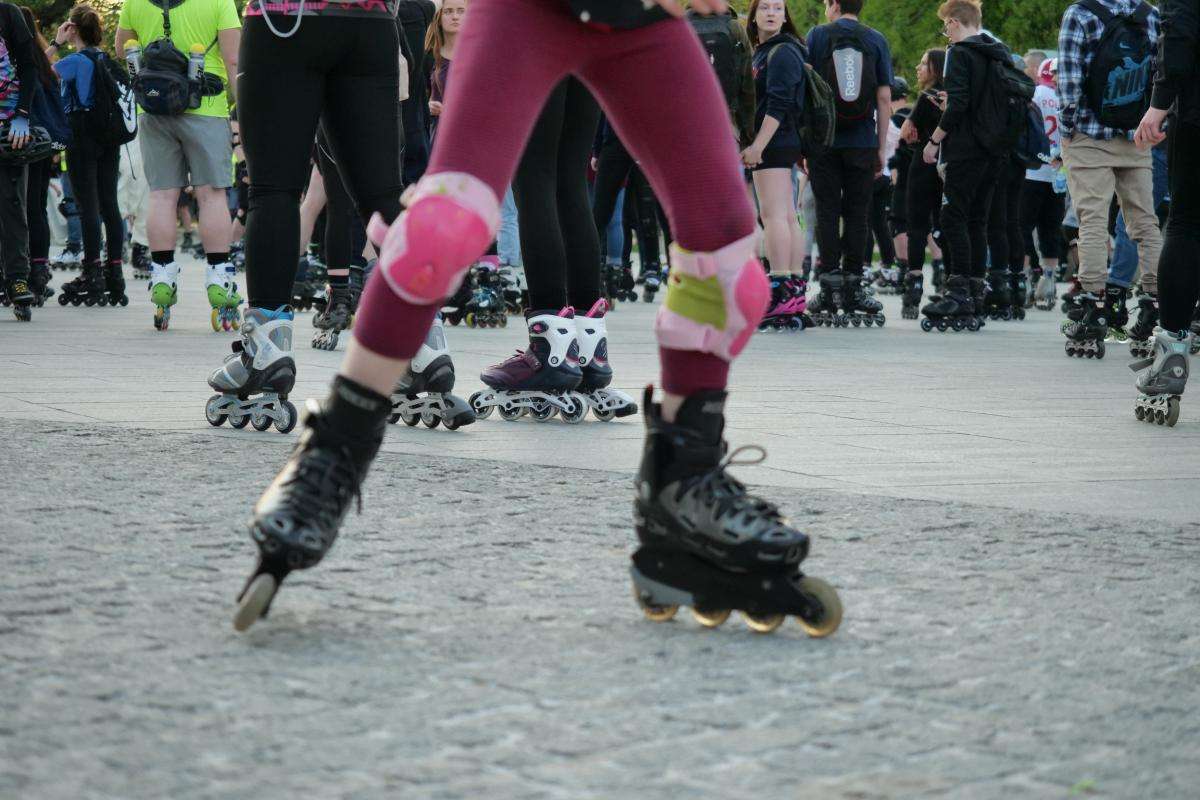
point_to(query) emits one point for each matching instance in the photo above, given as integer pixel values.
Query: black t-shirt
(22, 68)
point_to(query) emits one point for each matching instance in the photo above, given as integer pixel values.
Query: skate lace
(728, 495)
(326, 472)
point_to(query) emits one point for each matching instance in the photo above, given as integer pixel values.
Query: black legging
(1005, 243)
(37, 191)
(559, 244)
(345, 233)
(341, 73)
(1178, 273)
(616, 167)
(924, 204)
(93, 171)
(1042, 209)
(879, 232)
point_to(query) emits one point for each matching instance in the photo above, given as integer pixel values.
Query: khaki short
(187, 150)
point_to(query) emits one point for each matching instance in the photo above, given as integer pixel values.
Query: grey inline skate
(1160, 387)
(1085, 336)
(424, 392)
(254, 381)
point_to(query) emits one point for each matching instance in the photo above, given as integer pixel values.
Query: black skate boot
(1142, 332)
(140, 258)
(18, 295)
(297, 519)
(1018, 289)
(954, 310)
(39, 282)
(827, 305)
(997, 301)
(914, 287)
(87, 289)
(334, 319)
(1085, 336)
(860, 307)
(706, 542)
(1116, 299)
(939, 275)
(114, 284)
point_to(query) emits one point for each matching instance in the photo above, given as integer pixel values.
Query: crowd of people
(436, 167)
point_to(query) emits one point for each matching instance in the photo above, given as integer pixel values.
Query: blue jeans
(1125, 256)
(74, 225)
(508, 240)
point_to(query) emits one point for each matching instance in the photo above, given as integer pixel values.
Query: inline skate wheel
(469, 319)
(973, 325)
(765, 623)
(1100, 350)
(260, 422)
(927, 325)
(215, 320)
(542, 410)
(23, 313)
(957, 325)
(711, 619)
(654, 613)
(880, 320)
(942, 326)
(239, 422)
(604, 416)
(410, 419)
(826, 613)
(855, 321)
(481, 411)
(290, 417)
(1140, 413)
(213, 413)
(1172, 415)
(429, 419)
(509, 414)
(254, 601)
(63, 299)
(578, 411)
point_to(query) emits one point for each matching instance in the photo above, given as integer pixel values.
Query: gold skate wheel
(653, 612)
(216, 320)
(763, 624)
(711, 619)
(256, 598)
(825, 596)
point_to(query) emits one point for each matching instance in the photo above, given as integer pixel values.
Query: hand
(908, 132)
(675, 9)
(18, 132)
(1150, 131)
(880, 161)
(435, 108)
(63, 33)
(752, 156)
(941, 101)
(930, 154)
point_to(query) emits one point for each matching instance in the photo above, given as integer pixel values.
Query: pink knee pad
(714, 300)
(450, 219)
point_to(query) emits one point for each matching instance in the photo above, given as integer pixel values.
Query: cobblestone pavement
(1017, 556)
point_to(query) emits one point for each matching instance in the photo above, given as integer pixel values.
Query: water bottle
(196, 63)
(133, 56)
(1060, 181)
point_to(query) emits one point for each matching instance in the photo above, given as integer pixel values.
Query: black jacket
(966, 75)
(779, 87)
(1178, 59)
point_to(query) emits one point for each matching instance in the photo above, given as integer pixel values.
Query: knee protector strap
(714, 300)
(450, 219)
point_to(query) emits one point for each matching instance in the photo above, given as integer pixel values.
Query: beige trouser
(1095, 170)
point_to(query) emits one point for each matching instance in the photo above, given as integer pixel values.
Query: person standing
(193, 148)
(19, 76)
(857, 64)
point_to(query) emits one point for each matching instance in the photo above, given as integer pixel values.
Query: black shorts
(779, 158)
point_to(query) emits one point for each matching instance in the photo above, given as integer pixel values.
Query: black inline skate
(1162, 385)
(297, 519)
(308, 288)
(954, 310)
(1018, 288)
(620, 282)
(914, 288)
(1142, 332)
(140, 258)
(826, 307)
(18, 295)
(424, 393)
(709, 544)
(651, 281)
(336, 317)
(938, 268)
(114, 284)
(87, 289)
(39, 282)
(859, 306)
(1116, 303)
(1086, 335)
(997, 299)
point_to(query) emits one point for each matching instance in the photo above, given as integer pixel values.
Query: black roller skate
(914, 287)
(308, 288)
(1162, 385)
(335, 318)
(297, 519)
(954, 310)
(1116, 300)
(424, 393)
(651, 281)
(938, 267)
(39, 282)
(456, 306)
(512, 288)
(887, 280)
(860, 307)
(114, 284)
(997, 300)
(1143, 329)
(487, 308)
(706, 542)
(1018, 289)
(140, 258)
(626, 287)
(87, 289)
(1070, 298)
(1085, 336)
(18, 295)
(826, 307)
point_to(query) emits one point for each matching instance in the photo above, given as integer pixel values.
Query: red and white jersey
(1046, 99)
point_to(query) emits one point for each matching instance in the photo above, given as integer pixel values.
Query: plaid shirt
(1077, 41)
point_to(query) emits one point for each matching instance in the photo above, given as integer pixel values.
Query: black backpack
(849, 70)
(1033, 147)
(112, 118)
(1003, 112)
(817, 121)
(1117, 81)
(161, 84)
(725, 52)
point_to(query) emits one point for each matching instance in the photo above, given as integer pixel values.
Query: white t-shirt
(1046, 99)
(893, 142)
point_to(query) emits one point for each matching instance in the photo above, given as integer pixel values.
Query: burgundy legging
(659, 91)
